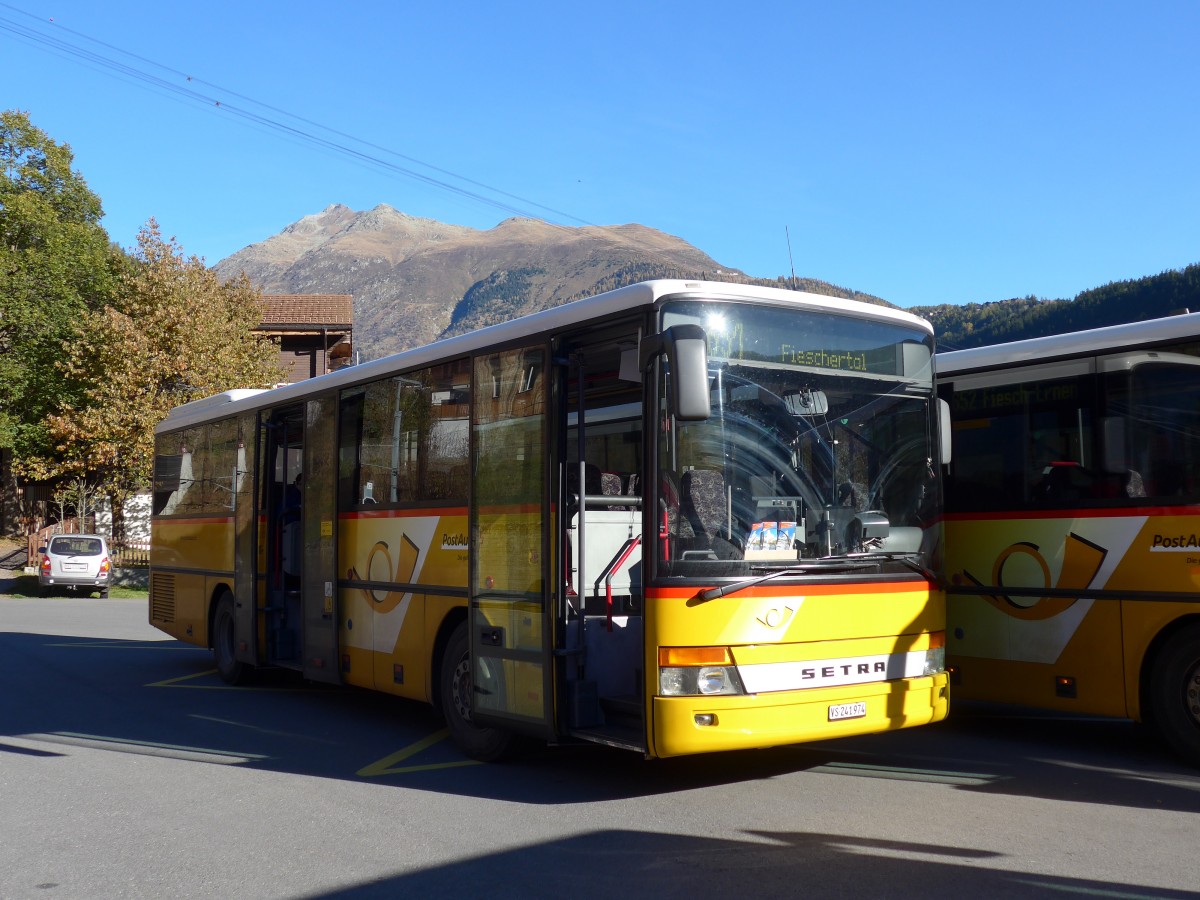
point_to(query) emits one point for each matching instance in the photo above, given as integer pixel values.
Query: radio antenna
(788, 235)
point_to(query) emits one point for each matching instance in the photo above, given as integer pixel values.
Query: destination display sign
(801, 338)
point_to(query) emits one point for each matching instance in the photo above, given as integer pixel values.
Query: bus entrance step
(625, 710)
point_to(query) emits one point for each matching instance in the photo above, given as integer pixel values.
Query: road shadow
(629, 863)
(164, 698)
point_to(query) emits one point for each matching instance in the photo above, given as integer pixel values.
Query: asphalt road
(127, 769)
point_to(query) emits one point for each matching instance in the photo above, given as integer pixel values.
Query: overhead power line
(48, 35)
(182, 87)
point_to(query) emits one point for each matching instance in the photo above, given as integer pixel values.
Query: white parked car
(75, 561)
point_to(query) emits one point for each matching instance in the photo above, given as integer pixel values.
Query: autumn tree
(56, 264)
(174, 332)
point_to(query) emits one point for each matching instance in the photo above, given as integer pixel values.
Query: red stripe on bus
(808, 590)
(1068, 513)
(404, 513)
(510, 509)
(197, 520)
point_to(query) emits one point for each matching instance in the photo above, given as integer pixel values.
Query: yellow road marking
(387, 765)
(174, 682)
(177, 683)
(126, 645)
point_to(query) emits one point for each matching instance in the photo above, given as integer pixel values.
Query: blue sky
(923, 152)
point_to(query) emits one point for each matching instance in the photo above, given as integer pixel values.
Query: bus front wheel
(457, 685)
(231, 670)
(1175, 692)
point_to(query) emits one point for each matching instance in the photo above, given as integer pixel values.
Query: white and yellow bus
(1073, 524)
(677, 517)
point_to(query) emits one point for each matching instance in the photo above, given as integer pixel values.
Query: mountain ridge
(416, 280)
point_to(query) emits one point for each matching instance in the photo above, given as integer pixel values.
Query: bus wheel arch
(222, 637)
(454, 700)
(1171, 698)
(454, 618)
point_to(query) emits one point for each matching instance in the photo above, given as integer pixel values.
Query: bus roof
(216, 402)
(1076, 343)
(634, 296)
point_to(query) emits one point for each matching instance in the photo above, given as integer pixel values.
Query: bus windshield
(819, 447)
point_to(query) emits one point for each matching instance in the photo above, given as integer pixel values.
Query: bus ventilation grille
(162, 598)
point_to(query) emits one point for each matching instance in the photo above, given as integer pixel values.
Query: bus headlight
(671, 682)
(697, 671)
(712, 680)
(935, 660)
(691, 681)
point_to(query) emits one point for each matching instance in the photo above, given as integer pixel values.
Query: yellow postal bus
(1073, 523)
(678, 517)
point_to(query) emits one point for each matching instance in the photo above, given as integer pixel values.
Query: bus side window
(349, 461)
(1164, 417)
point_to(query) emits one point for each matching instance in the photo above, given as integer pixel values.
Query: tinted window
(76, 546)
(405, 439)
(1026, 443)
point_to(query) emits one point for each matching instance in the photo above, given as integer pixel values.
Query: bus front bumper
(705, 724)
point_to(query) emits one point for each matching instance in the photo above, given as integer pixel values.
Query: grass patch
(27, 586)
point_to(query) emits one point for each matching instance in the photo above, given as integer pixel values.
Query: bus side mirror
(686, 347)
(944, 430)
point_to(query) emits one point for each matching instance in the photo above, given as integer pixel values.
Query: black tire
(455, 688)
(103, 593)
(1174, 700)
(224, 647)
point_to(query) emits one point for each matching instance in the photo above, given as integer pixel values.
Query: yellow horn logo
(379, 569)
(1081, 561)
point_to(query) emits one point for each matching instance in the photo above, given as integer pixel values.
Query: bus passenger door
(280, 542)
(318, 534)
(298, 497)
(510, 513)
(245, 564)
(599, 615)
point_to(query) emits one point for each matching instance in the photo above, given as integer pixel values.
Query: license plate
(74, 567)
(848, 710)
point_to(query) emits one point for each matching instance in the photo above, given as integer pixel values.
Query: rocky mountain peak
(415, 280)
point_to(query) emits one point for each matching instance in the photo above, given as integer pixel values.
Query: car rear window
(76, 546)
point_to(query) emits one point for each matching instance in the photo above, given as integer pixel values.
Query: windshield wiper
(817, 565)
(909, 560)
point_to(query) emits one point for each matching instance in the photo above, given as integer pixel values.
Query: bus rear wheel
(231, 670)
(1175, 693)
(456, 687)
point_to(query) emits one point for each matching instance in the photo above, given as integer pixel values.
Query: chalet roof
(312, 310)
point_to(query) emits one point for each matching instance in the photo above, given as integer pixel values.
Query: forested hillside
(978, 324)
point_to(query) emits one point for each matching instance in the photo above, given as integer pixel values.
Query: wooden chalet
(314, 332)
